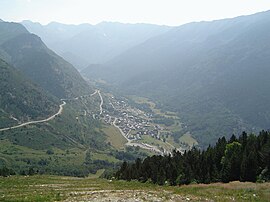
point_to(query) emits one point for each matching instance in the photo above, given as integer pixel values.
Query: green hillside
(21, 100)
(47, 143)
(74, 143)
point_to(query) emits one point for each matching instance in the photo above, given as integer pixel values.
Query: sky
(162, 12)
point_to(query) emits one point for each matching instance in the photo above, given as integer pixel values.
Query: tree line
(246, 158)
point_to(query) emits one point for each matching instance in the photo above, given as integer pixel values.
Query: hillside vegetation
(72, 142)
(21, 100)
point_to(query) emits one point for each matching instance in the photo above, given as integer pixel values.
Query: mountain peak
(29, 22)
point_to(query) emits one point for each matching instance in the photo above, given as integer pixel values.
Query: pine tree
(232, 139)
(231, 162)
(249, 166)
(245, 159)
(161, 177)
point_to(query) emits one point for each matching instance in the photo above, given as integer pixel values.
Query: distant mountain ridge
(214, 74)
(31, 56)
(94, 44)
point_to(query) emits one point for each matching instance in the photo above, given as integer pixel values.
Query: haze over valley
(159, 64)
(141, 102)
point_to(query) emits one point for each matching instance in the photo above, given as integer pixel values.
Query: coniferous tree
(246, 159)
(231, 162)
(249, 166)
(161, 176)
(219, 152)
(243, 139)
(232, 139)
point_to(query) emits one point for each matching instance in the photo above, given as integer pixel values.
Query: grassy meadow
(92, 188)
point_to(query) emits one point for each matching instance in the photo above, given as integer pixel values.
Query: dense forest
(246, 158)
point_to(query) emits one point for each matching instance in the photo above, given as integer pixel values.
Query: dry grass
(114, 137)
(57, 188)
(233, 191)
(187, 138)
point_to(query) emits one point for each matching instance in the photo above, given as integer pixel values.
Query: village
(134, 124)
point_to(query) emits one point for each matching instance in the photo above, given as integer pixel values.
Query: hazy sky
(168, 12)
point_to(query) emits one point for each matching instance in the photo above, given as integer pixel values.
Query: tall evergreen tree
(249, 166)
(231, 162)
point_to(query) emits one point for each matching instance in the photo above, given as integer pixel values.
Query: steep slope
(54, 32)
(93, 44)
(70, 142)
(20, 100)
(215, 74)
(29, 54)
(10, 30)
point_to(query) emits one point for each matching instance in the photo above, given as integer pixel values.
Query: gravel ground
(127, 196)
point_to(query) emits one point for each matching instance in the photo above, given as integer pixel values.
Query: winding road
(101, 102)
(39, 121)
(94, 93)
(61, 108)
(122, 133)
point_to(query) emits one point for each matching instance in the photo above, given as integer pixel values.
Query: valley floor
(57, 188)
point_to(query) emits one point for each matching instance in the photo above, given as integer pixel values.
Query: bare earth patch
(128, 196)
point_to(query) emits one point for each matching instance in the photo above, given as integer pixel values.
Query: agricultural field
(114, 137)
(169, 121)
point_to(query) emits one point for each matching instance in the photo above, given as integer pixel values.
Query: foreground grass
(57, 188)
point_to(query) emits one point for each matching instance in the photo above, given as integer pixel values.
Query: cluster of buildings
(133, 122)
